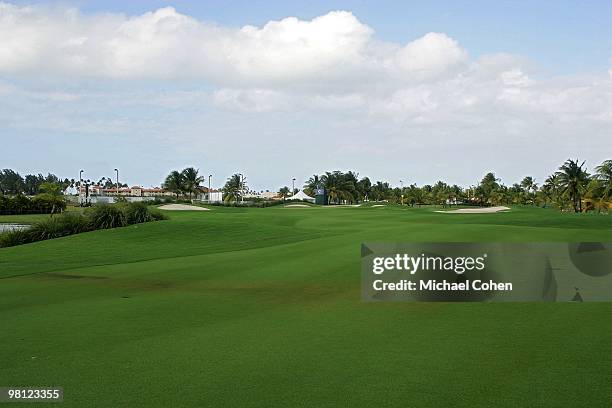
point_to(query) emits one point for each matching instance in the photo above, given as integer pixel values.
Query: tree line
(565, 189)
(568, 188)
(13, 183)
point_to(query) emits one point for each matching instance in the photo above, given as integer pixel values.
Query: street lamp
(242, 189)
(209, 177)
(293, 186)
(117, 171)
(80, 186)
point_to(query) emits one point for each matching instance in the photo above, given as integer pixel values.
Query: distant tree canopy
(569, 188)
(12, 183)
(565, 189)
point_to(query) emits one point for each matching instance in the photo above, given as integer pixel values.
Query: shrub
(41, 204)
(20, 205)
(105, 216)
(158, 215)
(14, 237)
(56, 227)
(99, 217)
(136, 213)
(256, 203)
(46, 204)
(4, 204)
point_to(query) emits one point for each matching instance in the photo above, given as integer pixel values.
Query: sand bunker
(182, 207)
(480, 210)
(297, 206)
(378, 205)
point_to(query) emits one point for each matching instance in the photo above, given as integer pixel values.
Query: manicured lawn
(261, 308)
(23, 218)
(32, 218)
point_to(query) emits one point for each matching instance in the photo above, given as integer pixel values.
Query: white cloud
(432, 54)
(165, 44)
(330, 62)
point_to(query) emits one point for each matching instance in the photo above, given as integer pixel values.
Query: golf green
(261, 308)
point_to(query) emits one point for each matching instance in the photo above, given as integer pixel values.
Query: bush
(47, 204)
(20, 205)
(14, 237)
(256, 203)
(99, 217)
(158, 215)
(105, 216)
(57, 227)
(136, 213)
(41, 204)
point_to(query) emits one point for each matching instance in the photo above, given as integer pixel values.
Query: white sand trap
(378, 205)
(182, 207)
(297, 206)
(483, 210)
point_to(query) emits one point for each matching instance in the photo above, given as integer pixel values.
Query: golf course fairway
(245, 307)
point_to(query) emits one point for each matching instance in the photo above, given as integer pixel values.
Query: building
(212, 196)
(98, 194)
(269, 195)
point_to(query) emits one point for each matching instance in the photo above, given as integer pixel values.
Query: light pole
(293, 186)
(209, 177)
(80, 186)
(117, 171)
(239, 192)
(402, 191)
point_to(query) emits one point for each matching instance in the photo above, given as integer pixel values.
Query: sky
(412, 91)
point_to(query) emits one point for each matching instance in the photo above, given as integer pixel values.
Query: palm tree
(191, 180)
(312, 184)
(380, 191)
(529, 184)
(488, 184)
(234, 186)
(604, 175)
(552, 188)
(337, 186)
(284, 192)
(364, 187)
(53, 191)
(573, 179)
(174, 182)
(593, 192)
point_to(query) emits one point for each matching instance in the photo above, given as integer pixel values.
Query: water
(11, 227)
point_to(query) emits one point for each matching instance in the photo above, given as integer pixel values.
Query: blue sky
(394, 90)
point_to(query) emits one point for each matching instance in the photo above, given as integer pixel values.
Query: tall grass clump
(14, 237)
(136, 213)
(56, 227)
(106, 216)
(158, 215)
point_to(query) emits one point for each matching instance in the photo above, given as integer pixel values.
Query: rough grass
(261, 307)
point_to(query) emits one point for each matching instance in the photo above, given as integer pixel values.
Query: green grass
(261, 307)
(23, 218)
(32, 218)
